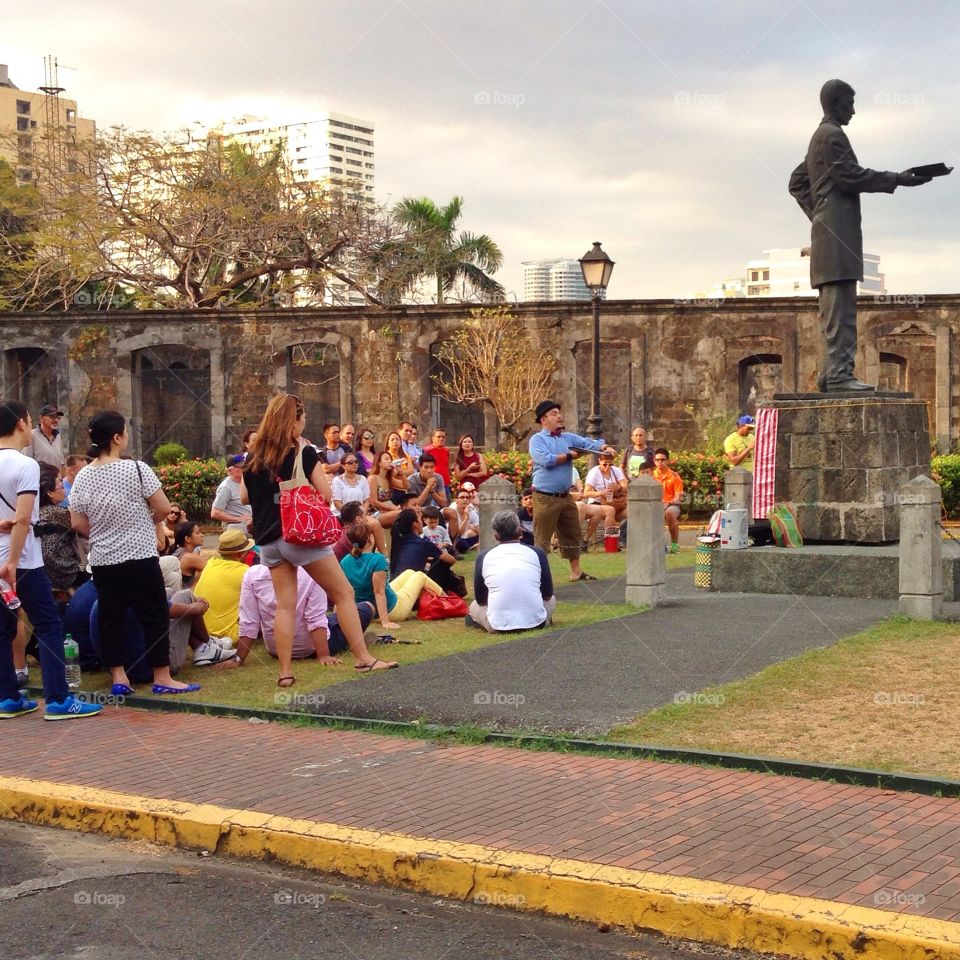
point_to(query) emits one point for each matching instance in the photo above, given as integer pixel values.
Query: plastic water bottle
(9, 596)
(71, 660)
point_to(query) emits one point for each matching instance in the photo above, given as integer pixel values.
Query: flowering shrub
(517, 466)
(946, 471)
(702, 476)
(701, 473)
(192, 484)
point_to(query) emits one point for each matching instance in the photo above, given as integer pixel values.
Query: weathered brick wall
(671, 365)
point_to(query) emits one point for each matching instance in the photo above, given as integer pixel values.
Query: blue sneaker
(16, 708)
(70, 708)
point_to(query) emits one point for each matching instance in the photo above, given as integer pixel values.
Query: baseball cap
(746, 421)
(236, 460)
(467, 485)
(50, 410)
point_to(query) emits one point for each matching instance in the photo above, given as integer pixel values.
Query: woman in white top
(606, 486)
(349, 487)
(117, 503)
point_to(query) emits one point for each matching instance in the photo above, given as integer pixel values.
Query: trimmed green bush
(701, 473)
(192, 484)
(165, 454)
(946, 471)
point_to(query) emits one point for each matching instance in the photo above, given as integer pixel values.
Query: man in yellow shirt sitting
(738, 447)
(220, 583)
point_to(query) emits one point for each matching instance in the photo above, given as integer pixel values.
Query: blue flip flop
(161, 689)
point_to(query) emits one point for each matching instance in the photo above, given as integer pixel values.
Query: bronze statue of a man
(827, 185)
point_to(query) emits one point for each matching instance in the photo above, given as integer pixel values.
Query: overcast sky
(667, 130)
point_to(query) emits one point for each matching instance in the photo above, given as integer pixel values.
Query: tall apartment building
(554, 280)
(322, 147)
(24, 127)
(785, 272)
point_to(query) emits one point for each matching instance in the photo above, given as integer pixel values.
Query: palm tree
(433, 249)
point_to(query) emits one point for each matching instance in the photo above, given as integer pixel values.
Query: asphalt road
(88, 897)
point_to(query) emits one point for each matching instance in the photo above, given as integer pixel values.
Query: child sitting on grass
(432, 530)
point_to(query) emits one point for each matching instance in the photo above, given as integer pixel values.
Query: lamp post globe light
(596, 267)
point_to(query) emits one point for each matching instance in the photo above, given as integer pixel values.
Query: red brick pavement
(857, 845)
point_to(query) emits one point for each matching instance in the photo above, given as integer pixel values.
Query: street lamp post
(596, 267)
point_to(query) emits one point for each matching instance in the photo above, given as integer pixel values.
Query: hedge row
(193, 483)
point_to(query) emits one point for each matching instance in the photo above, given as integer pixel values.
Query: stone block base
(842, 460)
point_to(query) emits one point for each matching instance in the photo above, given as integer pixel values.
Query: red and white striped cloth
(764, 462)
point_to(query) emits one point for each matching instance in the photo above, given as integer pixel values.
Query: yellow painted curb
(676, 906)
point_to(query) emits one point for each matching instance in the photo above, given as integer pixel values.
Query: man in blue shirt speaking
(554, 510)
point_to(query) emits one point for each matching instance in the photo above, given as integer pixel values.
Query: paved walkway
(586, 680)
(891, 851)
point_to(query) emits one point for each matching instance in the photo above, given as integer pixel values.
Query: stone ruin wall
(201, 377)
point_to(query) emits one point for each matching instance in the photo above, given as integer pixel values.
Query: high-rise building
(25, 127)
(323, 148)
(554, 280)
(785, 272)
(320, 148)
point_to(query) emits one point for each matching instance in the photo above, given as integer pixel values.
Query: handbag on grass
(305, 517)
(443, 607)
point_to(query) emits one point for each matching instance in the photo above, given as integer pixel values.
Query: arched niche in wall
(455, 417)
(893, 372)
(172, 403)
(759, 377)
(30, 376)
(313, 374)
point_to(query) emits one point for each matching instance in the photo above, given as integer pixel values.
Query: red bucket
(611, 540)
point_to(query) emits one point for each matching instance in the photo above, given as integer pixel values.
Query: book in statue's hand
(930, 170)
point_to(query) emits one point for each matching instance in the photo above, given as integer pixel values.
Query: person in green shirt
(738, 447)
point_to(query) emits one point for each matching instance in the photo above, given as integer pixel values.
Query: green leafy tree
(159, 220)
(18, 217)
(432, 247)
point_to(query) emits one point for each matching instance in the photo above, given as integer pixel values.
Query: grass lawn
(254, 684)
(884, 699)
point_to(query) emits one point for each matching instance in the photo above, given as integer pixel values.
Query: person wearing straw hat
(220, 583)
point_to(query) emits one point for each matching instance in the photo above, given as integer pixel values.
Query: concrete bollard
(494, 495)
(646, 558)
(738, 489)
(921, 550)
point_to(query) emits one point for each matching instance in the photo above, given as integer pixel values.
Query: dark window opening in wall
(616, 390)
(893, 372)
(313, 374)
(456, 418)
(171, 385)
(30, 378)
(760, 377)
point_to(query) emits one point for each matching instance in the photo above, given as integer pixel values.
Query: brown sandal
(292, 680)
(367, 667)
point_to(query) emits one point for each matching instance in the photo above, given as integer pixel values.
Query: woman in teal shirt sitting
(367, 571)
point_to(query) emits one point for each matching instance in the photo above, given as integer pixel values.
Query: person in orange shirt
(672, 494)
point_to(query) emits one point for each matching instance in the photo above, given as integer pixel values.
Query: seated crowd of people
(216, 606)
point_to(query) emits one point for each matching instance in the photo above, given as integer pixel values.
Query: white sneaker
(224, 642)
(208, 654)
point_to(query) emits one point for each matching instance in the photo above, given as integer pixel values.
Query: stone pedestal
(921, 550)
(841, 462)
(646, 559)
(494, 495)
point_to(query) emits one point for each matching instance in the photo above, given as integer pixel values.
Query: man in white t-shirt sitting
(511, 582)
